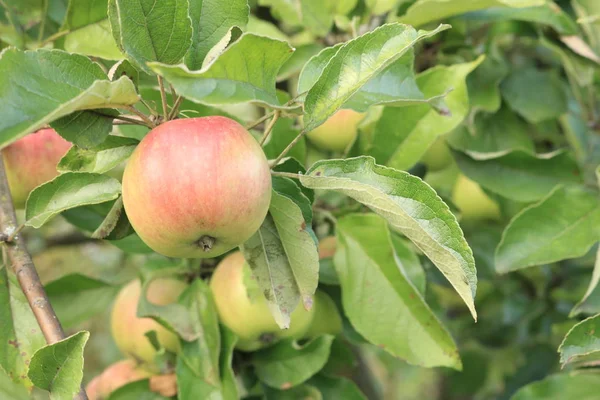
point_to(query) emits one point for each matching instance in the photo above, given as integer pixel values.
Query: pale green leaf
(287, 364)
(211, 20)
(81, 13)
(94, 40)
(12, 390)
(245, 71)
(100, 159)
(69, 190)
(58, 368)
(410, 206)
(403, 135)
(284, 259)
(563, 225)
(583, 339)
(149, 30)
(354, 64)
(52, 84)
(380, 302)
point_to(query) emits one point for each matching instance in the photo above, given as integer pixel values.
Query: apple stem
(286, 174)
(24, 269)
(163, 96)
(269, 128)
(206, 242)
(259, 121)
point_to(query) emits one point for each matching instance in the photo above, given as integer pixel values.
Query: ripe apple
(338, 132)
(243, 308)
(438, 155)
(128, 330)
(118, 374)
(327, 319)
(472, 201)
(31, 161)
(197, 187)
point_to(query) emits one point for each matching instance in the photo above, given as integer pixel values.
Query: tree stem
(163, 97)
(260, 120)
(288, 148)
(22, 266)
(269, 127)
(286, 174)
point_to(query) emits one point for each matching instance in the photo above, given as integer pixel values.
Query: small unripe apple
(197, 187)
(243, 308)
(472, 201)
(327, 319)
(327, 247)
(438, 155)
(31, 161)
(128, 330)
(338, 132)
(118, 374)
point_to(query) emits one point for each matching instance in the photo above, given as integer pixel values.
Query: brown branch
(24, 269)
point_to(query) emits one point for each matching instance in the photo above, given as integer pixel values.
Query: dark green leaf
(582, 386)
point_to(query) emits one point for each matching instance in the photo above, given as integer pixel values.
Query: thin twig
(175, 110)
(52, 38)
(23, 267)
(269, 127)
(288, 148)
(131, 120)
(163, 96)
(12, 236)
(43, 21)
(286, 174)
(150, 108)
(140, 114)
(260, 120)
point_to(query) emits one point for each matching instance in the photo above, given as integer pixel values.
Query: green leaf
(85, 128)
(380, 302)
(245, 71)
(69, 296)
(287, 364)
(99, 159)
(198, 367)
(228, 378)
(317, 15)
(20, 334)
(285, 10)
(52, 84)
(411, 207)
(211, 20)
(138, 390)
(563, 225)
(12, 390)
(81, 13)
(493, 135)
(283, 133)
(583, 339)
(484, 84)
(288, 188)
(69, 190)
(587, 11)
(415, 128)
(336, 387)
(115, 225)
(94, 40)
(284, 259)
(425, 11)
(409, 263)
(298, 60)
(561, 387)
(354, 64)
(304, 392)
(524, 88)
(520, 176)
(58, 367)
(147, 30)
(590, 303)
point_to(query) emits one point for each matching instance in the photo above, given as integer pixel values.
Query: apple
(472, 201)
(438, 155)
(243, 308)
(197, 187)
(128, 330)
(338, 132)
(327, 247)
(327, 319)
(118, 374)
(31, 161)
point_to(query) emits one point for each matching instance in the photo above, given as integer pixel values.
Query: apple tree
(284, 199)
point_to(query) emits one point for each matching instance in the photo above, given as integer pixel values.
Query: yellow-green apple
(243, 308)
(118, 374)
(472, 201)
(438, 155)
(31, 161)
(327, 319)
(197, 187)
(338, 132)
(128, 330)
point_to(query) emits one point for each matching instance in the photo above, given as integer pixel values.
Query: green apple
(438, 155)
(338, 132)
(31, 161)
(243, 308)
(128, 330)
(472, 201)
(327, 319)
(197, 187)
